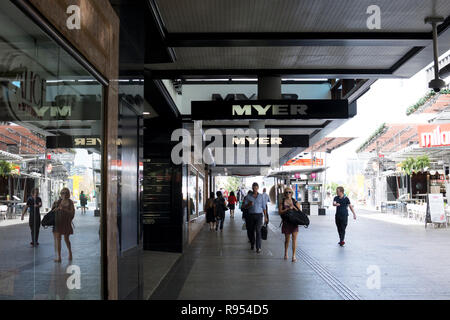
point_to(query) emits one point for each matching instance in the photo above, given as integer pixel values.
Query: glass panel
(192, 190)
(50, 139)
(201, 192)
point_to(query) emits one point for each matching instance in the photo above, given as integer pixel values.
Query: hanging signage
(78, 142)
(434, 135)
(435, 209)
(282, 141)
(272, 109)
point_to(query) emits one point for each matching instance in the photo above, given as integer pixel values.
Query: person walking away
(219, 210)
(210, 218)
(232, 204)
(83, 202)
(65, 212)
(256, 211)
(341, 202)
(34, 203)
(289, 203)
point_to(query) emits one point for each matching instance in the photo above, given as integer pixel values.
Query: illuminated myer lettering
(276, 110)
(87, 142)
(55, 112)
(261, 141)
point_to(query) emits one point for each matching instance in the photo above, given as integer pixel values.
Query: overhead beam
(361, 87)
(298, 39)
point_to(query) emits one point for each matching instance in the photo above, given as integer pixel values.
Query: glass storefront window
(192, 192)
(201, 192)
(50, 139)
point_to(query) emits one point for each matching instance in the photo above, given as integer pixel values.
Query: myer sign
(262, 110)
(272, 109)
(256, 140)
(282, 141)
(23, 96)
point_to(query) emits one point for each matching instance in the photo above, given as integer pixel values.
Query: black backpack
(296, 217)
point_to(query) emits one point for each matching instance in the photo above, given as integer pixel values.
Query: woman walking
(288, 203)
(65, 212)
(219, 210)
(232, 204)
(210, 218)
(34, 203)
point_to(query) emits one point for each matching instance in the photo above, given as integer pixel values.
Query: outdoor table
(12, 207)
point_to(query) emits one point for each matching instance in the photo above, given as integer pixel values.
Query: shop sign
(283, 141)
(435, 208)
(305, 162)
(434, 135)
(272, 109)
(79, 142)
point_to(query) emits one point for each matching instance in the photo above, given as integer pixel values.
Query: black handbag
(49, 219)
(297, 218)
(264, 232)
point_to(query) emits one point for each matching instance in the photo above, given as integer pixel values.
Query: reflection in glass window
(50, 155)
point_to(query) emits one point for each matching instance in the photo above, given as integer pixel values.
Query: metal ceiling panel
(285, 58)
(296, 16)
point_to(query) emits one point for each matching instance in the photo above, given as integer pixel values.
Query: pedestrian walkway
(28, 273)
(381, 260)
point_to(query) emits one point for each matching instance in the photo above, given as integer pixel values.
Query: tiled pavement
(412, 263)
(30, 273)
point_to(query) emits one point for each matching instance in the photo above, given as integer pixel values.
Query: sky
(386, 101)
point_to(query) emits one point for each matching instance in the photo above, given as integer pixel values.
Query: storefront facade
(59, 113)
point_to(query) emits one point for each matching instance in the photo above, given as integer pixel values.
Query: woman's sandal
(294, 259)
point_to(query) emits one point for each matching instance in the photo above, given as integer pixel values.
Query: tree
(232, 183)
(412, 165)
(5, 168)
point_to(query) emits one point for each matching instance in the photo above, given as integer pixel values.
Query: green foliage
(424, 100)
(375, 135)
(230, 184)
(422, 162)
(407, 166)
(331, 187)
(5, 168)
(412, 165)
